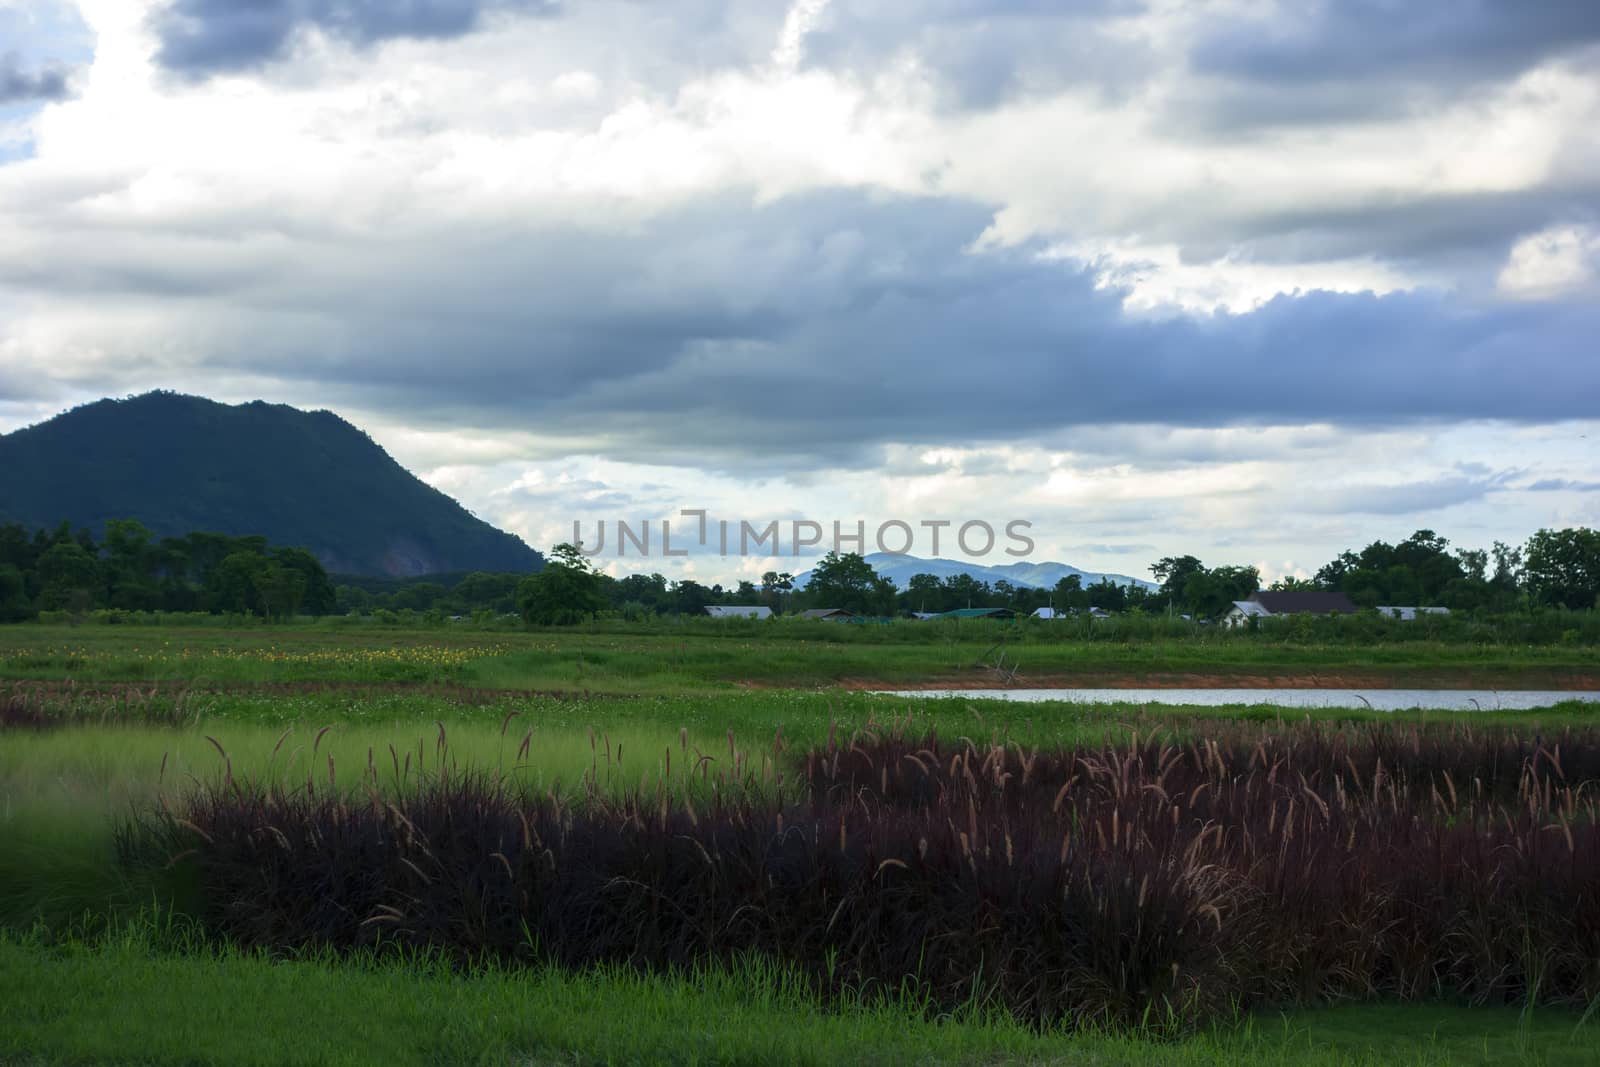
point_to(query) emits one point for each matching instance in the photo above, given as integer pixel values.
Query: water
(1377, 699)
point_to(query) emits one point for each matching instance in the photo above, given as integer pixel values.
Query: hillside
(182, 463)
(900, 569)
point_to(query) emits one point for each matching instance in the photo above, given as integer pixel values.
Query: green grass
(145, 701)
(120, 999)
(708, 659)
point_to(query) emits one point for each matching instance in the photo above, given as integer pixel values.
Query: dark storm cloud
(203, 37)
(1314, 61)
(823, 325)
(813, 329)
(19, 84)
(1470, 231)
(1340, 40)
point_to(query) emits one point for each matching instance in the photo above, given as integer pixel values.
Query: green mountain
(305, 478)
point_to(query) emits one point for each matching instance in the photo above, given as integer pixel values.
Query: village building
(1268, 603)
(829, 615)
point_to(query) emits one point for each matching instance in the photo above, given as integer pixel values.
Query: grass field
(707, 658)
(87, 982)
(118, 998)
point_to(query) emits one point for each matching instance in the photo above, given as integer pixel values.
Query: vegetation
(1112, 885)
(567, 590)
(70, 575)
(44, 574)
(179, 464)
(102, 725)
(149, 992)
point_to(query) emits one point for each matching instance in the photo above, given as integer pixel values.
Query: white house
(1268, 603)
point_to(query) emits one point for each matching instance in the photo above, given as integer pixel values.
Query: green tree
(925, 593)
(775, 585)
(1563, 567)
(1069, 594)
(1173, 572)
(68, 576)
(317, 596)
(14, 605)
(1209, 592)
(231, 584)
(480, 590)
(845, 581)
(129, 566)
(964, 591)
(1107, 595)
(568, 590)
(279, 590)
(689, 597)
(645, 591)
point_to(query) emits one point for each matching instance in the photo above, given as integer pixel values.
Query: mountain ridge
(180, 464)
(900, 568)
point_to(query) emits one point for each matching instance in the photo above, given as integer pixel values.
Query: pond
(1377, 699)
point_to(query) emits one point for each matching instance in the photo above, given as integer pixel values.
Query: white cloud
(1551, 263)
(560, 264)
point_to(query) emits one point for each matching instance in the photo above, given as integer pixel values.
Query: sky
(1253, 280)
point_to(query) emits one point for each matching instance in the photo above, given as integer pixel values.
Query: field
(317, 844)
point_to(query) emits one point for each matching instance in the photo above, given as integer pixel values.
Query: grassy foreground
(144, 703)
(119, 999)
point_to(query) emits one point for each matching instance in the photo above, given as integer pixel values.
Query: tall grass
(1150, 882)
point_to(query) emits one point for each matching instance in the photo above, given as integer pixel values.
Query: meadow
(122, 748)
(709, 655)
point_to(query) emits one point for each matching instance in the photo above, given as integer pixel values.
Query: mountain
(303, 478)
(899, 570)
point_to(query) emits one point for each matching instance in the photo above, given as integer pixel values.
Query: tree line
(128, 569)
(1555, 568)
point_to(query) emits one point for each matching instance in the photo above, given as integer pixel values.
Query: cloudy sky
(1258, 280)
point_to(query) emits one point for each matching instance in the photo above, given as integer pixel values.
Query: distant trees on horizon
(65, 571)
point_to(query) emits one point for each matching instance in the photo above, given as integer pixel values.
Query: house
(1048, 613)
(921, 615)
(1267, 604)
(978, 613)
(829, 614)
(738, 611)
(1408, 614)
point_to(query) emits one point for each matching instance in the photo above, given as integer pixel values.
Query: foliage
(1563, 567)
(61, 571)
(1420, 571)
(848, 581)
(566, 591)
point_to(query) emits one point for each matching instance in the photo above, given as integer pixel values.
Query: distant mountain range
(899, 570)
(180, 464)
